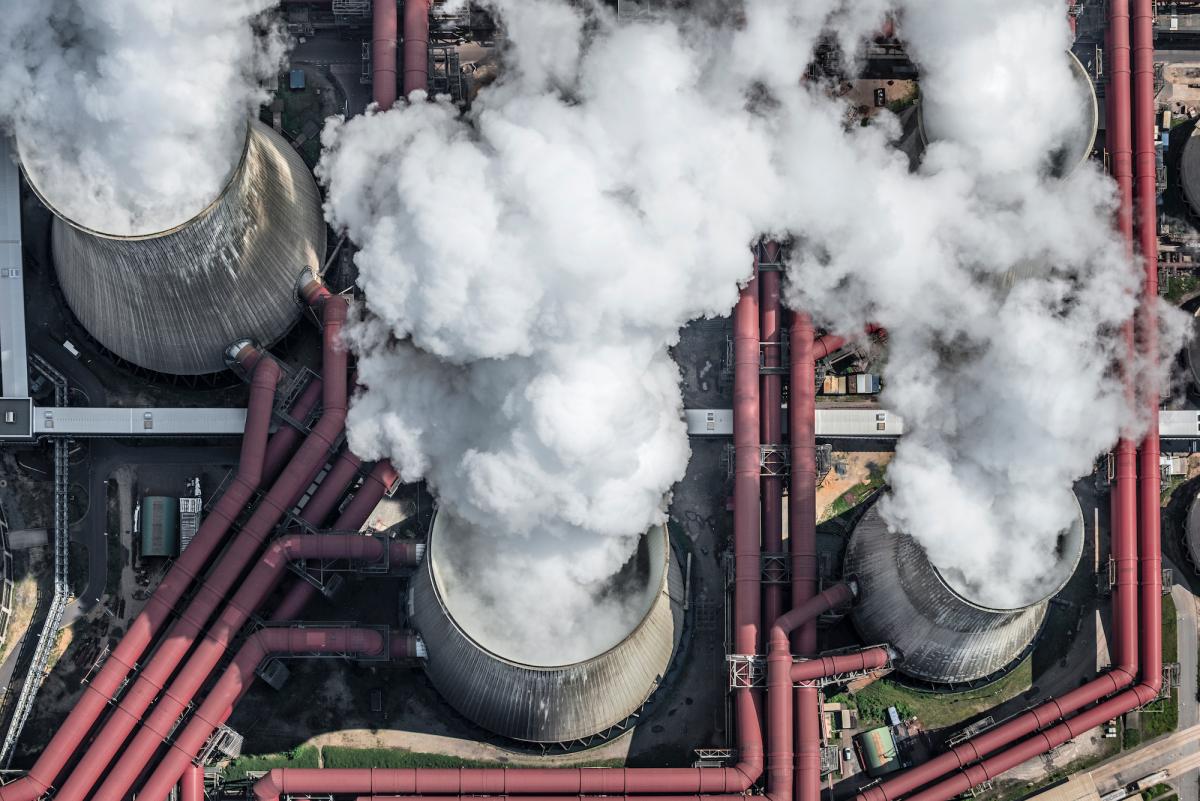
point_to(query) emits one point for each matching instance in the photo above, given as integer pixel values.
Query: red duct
(283, 442)
(1149, 469)
(259, 584)
(99, 692)
(1143, 559)
(619, 784)
(215, 587)
(333, 486)
(191, 786)
(374, 487)
(802, 536)
(383, 53)
(239, 676)
(771, 412)
(416, 46)
(830, 344)
(822, 667)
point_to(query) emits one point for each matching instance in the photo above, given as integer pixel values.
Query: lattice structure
(352, 8)
(713, 757)
(58, 603)
(746, 670)
(978, 727)
(776, 568)
(774, 459)
(225, 743)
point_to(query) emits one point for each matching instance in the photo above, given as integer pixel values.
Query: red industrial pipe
(215, 587)
(191, 786)
(802, 538)
(747, 472)
(259, 584)
(771, 413)
(374, 487)
(1142, 561)
(709, 784)
(823, 667)
(383, 53)
(416, 46)
(1149, 470)
(239, 676)
(830, 344)
(284, 441)
(99, 692)
(333, 487)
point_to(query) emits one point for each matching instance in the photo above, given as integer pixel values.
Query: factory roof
(141, 422)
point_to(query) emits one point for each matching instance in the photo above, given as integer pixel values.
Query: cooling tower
(1192, 532)
(1073, 152)
(172, 301)
(503, 687)
(945, 636)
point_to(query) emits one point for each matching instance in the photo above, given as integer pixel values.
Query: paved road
(1189, 711)
(105, 457)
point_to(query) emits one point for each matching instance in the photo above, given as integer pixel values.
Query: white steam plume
(526, 267)
(130, 114)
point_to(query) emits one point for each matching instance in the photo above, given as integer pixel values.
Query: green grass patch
(858, 493)
(937, 710)
(1156, 791)
(1160, 717)
(1179, 286)
(303, 757)
(335, 756)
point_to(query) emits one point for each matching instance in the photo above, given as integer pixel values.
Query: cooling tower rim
(1093, 105)
(225, 189)
(1072, 560)
(633, 633)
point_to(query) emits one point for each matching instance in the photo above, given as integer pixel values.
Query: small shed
(879, 752)
(160, 526)
(296, 80)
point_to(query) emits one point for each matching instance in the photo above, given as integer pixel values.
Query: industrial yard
(557, 400)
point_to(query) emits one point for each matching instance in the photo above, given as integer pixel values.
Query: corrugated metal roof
(138, 422)
(831, 423)
(548, 704)
(14, 369)
(172, 302)
(943, 637)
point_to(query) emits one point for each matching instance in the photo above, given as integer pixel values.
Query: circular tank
(1078, 148)
(1189, 167)
(508, 690)
(1192, 532)
(172, 301)
(943, 635)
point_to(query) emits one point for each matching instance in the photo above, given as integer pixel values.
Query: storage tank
(944, 636)
(172, 301)
(505, 687)
(1073, 152)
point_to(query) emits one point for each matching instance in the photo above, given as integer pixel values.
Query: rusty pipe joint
(243, 353)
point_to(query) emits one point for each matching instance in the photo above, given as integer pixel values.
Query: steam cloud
(130, 114)
(526, 267)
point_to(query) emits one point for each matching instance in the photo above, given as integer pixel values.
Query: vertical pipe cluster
(215, 587)
(383, 53)
(104, 687)
(416, 46)
(771, 413)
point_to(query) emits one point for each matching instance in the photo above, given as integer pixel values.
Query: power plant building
(944, 636)
(505, 691)
(172, 301)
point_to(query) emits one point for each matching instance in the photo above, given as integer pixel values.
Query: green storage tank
(879, 752)
(160, 526)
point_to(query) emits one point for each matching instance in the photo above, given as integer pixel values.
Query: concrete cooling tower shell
(1189, 168)
(1078, 148)
(172, 301)
(1192, 532)
(944, 637)
(545, 703)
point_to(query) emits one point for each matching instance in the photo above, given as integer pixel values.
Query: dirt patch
(852, 471)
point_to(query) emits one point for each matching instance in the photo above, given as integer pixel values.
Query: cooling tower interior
(945, 637)
(507, 688)
(1076, 149)
(172, 301)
